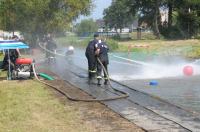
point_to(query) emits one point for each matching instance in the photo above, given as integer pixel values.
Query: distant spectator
(13, 55)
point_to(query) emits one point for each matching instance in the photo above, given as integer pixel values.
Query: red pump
(23, 61)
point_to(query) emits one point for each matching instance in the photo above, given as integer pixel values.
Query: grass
(144, 35)
(72, 40)
(189, 48)
(28, 106)
(1, 56)
(3, 74)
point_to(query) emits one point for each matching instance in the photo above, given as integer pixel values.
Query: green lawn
(189, 48)
(27, 106)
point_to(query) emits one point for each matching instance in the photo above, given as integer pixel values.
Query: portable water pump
(23, 69)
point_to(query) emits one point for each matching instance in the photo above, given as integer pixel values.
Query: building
(130, 28)
(8, 35)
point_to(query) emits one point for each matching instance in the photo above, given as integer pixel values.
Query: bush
(113, 45)
(66, 41)
(197, 37)
(172, 33)
(144, 35)
(84, 42)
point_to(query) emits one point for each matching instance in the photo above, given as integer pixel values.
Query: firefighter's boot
(106, 82)
(99, 82)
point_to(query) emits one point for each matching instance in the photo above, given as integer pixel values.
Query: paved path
(144, 110)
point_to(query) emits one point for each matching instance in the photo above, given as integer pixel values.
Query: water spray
(116, 91)
(134, 61)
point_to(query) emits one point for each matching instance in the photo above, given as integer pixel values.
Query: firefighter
(50, 46)
(70, 51)
(102, 55)
(90, 55)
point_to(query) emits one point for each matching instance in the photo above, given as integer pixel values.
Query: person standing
(91, 57)
(102, 56)
(11, 56)
(50, 46)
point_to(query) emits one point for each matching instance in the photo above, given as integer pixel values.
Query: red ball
(188, 70)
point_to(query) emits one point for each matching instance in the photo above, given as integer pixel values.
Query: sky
(97, 11)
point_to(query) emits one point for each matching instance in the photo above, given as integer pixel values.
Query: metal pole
(9, 73)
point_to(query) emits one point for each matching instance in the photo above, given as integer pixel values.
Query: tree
(118, 15)
(122, 12)
(149, 12)
(189, 17)
(86, 26)
(37, 17)
(183, 16)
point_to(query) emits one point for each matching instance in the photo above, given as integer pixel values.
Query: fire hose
(124, 94)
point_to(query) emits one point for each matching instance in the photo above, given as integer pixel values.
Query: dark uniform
(103, 57)
(10, 55)
(51, 46)
(90, 54)
(13, 56)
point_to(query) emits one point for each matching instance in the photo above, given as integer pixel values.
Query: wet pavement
(182, 91)
(172, 85)
(147, 111)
